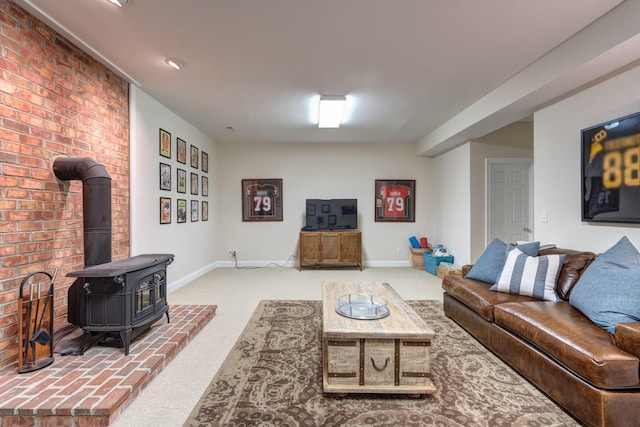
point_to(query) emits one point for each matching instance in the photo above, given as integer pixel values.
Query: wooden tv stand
(330, 249)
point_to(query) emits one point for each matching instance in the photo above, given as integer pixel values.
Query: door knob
(526, 229)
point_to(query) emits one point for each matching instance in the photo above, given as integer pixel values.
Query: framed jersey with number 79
(395, 200)
(262, 199)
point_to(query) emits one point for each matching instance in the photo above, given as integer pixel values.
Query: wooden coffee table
(382, 355)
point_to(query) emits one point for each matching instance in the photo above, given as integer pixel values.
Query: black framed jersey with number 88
(611, 171)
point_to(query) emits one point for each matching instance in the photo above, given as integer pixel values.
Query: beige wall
(460, 174)
(452, 204)
(318, 171)
(557, 163)
(193, 243)
(450, 188)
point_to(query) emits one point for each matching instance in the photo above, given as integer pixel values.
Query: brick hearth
(93, 389)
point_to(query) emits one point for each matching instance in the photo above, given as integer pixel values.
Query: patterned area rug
(273, 377)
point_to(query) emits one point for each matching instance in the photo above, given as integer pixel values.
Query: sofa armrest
(465, 269)
(627, 337)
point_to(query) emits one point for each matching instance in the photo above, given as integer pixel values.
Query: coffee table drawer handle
(386, 362)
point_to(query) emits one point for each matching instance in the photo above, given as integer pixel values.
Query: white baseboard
(190, 277)
(294, 263)
(263, 264)
(387, 264)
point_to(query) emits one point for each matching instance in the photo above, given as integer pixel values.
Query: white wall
(452, 204)
(318, 171)
(480, 152)
(460, 177)
(307, 170)
(193, 243)
(449, 208)
(557, 163)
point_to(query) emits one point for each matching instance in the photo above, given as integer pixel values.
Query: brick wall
(55, 100)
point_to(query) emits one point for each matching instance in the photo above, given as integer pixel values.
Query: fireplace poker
(26, 341)
(42, 337)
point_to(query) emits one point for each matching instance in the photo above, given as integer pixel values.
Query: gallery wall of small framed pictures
(196, 209)
(261, 198)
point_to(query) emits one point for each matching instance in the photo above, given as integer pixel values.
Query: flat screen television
(611, 171)
(331, 214)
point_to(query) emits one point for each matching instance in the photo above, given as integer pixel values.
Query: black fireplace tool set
(35, 311)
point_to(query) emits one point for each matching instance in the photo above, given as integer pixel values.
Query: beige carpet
(273, 377)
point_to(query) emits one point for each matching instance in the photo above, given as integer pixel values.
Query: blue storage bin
(431, 262)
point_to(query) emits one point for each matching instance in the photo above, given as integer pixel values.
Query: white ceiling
(407, 66)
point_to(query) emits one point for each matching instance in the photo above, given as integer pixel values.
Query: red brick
(19, 421)
(71, 386)
(8, 250)
(93, 421)
(30, 268)
(55, 421)
(56, 100)
(17, 104)
(103, 377)
(7, 87)
(111, 388)
(112, 400)
(29, 226)
(17, 215)
(135, 379)
(12, 261)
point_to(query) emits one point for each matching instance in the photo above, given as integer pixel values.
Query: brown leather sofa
(592, 374)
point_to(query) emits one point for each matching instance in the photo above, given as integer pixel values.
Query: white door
(509, 202)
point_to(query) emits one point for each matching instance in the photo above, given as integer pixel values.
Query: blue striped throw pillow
(536, 277)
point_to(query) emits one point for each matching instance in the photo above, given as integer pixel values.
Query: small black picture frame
(165, 210)
(205, 162)
(205, 186)
(194, 157)
(205, 211)
(194, 184)
(165, 143)
(181, 212)
(165, 177)
(194, 211)
(181, 177)
(181, 149)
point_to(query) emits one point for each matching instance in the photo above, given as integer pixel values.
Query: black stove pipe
(96, 204)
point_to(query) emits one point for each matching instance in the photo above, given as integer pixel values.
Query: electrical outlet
(399, 251)
(233, 253)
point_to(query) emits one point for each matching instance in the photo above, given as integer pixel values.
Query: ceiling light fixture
(176, 63)
(119, 3)
(331, 110)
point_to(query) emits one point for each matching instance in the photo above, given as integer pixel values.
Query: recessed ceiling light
(119, 3)
(176, 63)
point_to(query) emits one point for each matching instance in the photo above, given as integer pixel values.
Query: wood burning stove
(121, 297)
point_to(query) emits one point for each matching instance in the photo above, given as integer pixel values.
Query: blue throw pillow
(608, 292)
(490, 264)
(535, 277)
